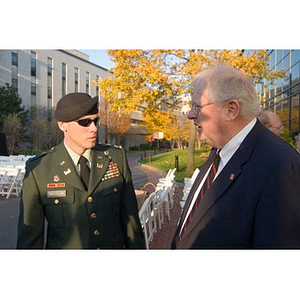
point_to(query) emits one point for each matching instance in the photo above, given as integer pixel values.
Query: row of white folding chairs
(151, 217)
(152, 211)
(168, 185)
(11, 179)
(188, 182)
(14, 161)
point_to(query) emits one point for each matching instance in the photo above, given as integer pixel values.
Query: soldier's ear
(62, 126)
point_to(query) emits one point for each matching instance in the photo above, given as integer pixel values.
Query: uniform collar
(75, 157)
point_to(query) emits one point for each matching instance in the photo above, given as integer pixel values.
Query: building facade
(42, 77)
(283, 95)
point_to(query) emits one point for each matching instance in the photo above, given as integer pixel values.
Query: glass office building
(283, 95)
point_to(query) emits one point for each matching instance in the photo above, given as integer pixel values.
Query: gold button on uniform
(56, 201)
(96, 232)
(93, 216)
(90, 199)
(115, 189)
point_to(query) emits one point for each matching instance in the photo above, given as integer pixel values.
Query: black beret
(74, 106)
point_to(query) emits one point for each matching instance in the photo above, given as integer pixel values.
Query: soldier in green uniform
(80, 191)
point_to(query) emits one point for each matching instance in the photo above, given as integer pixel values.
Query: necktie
(206, 185)
(84, 171)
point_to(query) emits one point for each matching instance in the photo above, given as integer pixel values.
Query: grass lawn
(166, 161)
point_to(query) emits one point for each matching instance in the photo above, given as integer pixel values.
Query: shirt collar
(75, 157)
(232, 145)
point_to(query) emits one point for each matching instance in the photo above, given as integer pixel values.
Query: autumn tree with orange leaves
(158, 77)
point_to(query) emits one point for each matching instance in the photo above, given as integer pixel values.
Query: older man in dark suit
(83, 189)
(247, 194)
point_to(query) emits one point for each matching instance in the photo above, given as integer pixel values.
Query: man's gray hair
(226, 83)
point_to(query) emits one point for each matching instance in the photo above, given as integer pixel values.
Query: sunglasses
(87, 122)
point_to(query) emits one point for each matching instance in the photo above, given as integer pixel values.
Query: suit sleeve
(277, 218)
(131, 226)
(31, 218)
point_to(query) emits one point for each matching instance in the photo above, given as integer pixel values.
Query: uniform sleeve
(131, 226)
(277, 218)
(31, 218)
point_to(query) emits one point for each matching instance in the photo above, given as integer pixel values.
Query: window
(97, 86)
(295, 56)
(87, 82)
(14, 57)
(14, 69)
(33, 64)
(49, 87)
(64, 79)
(76, 79)
(33, 85)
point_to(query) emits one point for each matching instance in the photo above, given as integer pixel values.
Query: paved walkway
(142, 174)
(9, 209)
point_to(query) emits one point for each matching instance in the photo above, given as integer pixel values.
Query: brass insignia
(67, 172)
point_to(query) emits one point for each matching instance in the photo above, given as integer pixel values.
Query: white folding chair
(188, 182)
(148, 215)
(164, 201)
(145, 219)
(168, 183)
(3, 173)
(9, 183)
(156, 209)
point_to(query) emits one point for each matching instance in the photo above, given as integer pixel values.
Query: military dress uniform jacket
(104, 216)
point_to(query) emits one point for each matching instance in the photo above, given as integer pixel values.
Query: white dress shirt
(75, 157)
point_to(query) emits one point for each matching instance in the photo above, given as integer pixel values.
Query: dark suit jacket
(253, 203)
(105, 216)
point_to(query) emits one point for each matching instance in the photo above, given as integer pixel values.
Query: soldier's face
(80, 134)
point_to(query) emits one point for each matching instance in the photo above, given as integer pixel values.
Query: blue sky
(99, 57)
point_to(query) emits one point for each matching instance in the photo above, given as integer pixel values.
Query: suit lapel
(227, 176)
(65, 168)
(197, 181)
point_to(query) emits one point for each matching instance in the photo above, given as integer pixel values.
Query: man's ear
(62, 126)
(232, 110)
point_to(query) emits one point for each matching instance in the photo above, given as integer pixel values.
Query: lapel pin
(231, 176)
(100, 157)
(67, 172)
(62, 163)
(99, 166)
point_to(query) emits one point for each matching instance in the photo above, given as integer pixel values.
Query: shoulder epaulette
(40, 155)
